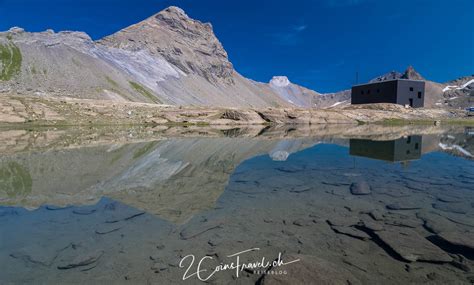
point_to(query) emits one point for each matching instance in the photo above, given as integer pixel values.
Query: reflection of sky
(258, 183)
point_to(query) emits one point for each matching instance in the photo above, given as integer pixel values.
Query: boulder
(360, 188)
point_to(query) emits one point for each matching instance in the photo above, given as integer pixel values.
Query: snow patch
(338, 103)
(280, 81)
(455, 147)
(451, 87)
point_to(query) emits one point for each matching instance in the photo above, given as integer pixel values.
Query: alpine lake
(322, 204)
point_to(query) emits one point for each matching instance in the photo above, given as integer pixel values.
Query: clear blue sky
(318, 44)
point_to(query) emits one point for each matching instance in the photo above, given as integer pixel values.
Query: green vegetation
(33, 70)
(45, 71)
(10, 61)
(111, 81)
(144, 150)
(142, 90)
(15, 180)
(455, 121)
(9, 37)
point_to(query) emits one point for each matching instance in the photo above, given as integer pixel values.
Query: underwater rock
(300, 189)
(303, 222)
(56, 208)
(411, 246)
(465, 239)
(84, 211)
(37, 255)
(457, 208)
(360, 188)
(402, 207)
(436, 223)
(343, 221)
(83, 260)
(351, 231)
(125, 217)
(107, 228)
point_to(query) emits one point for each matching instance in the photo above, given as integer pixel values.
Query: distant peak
(280, 81)
(16, 30)
(387, 76)
(411, 73)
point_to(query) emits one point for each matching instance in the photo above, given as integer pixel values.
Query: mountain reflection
(176, 178)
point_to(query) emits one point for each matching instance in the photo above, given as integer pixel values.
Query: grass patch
(423, 122)
(10, 61)
(111, 81)
(33, 70)
(187, 124)
(144, 150)
(143, 91)
(15, 180)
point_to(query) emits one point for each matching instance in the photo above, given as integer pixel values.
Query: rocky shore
(54, 111)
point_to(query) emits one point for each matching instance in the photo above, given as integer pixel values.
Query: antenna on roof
(357, 77)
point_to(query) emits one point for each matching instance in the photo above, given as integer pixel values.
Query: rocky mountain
(460, 92)
(387, 76)
(412, 74)
(168, 58)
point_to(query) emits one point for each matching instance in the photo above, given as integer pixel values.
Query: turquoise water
(360, 209)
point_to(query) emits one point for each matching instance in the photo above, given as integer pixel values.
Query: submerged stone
(360, 188)
(404, 206)
(465, 239)
(351, 231)
(411, 246)
(83, 260)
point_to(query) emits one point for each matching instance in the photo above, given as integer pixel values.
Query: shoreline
(46, 111)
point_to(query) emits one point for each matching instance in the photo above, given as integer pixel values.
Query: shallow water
(371, 206)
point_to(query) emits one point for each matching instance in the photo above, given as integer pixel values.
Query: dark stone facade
(399, 91)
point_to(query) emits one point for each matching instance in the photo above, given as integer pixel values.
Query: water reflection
(399, 150)
(115, 207)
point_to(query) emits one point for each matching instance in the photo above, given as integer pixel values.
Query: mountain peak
(188, 44)
(175, 10)
(411, 73)
(170, 15)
